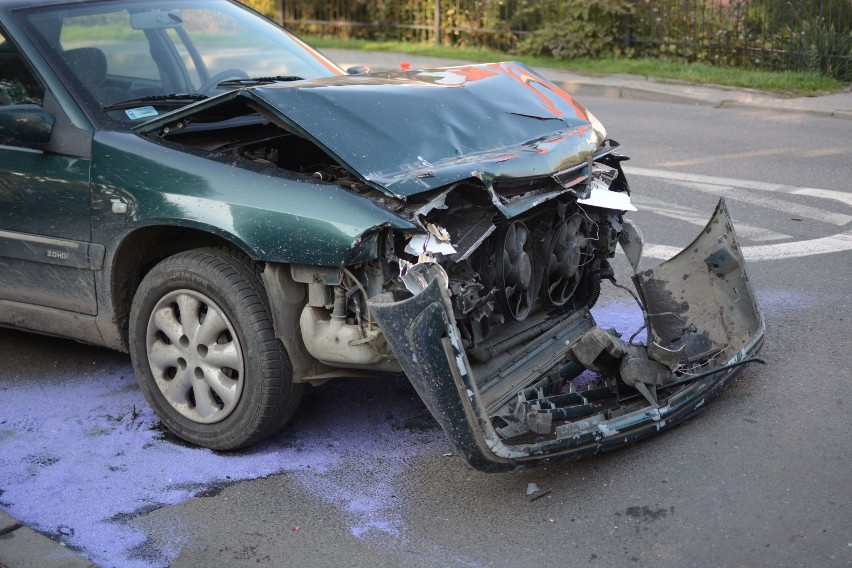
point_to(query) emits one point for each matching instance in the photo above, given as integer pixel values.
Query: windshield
(164, 55)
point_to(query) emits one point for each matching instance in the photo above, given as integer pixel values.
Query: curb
(843, 115)
(583, 89)
(630, 93)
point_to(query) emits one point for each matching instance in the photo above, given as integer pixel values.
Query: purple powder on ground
(624, 316)
(80, 458)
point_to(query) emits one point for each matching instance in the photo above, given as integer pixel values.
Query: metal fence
(796, 35)
(801, 35)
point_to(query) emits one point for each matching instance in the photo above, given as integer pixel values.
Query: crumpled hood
(408, 132)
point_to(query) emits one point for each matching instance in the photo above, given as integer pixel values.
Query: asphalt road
(363, 477)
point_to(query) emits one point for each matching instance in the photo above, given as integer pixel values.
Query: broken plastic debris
(417, 277)
(439, 232)
(532, 488)
(420, 244)
(601, 196)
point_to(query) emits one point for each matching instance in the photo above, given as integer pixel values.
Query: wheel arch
(141, 250)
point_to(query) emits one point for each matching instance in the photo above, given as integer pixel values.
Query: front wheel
(205, 352)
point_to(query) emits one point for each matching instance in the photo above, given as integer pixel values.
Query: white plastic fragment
(532, 488)
(420, 244)
(601, 196)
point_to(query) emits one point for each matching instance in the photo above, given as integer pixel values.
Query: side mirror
(25, 125)
(358, 70)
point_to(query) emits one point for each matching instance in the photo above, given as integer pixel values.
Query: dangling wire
(364, 292)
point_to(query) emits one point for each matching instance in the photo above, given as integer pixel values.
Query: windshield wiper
(174, 99)
(259, 80)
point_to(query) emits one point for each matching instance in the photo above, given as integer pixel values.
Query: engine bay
(502, 271)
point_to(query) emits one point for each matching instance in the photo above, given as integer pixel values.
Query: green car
(187, 182)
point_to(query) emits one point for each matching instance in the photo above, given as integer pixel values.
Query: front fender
(276, 215)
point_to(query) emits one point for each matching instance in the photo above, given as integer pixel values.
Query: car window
(18, 85)
(123, 59)
(125, 49)
(230, 44)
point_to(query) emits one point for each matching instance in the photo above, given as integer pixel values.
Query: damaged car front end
(522, 407)
(515, 201)
(244, 218)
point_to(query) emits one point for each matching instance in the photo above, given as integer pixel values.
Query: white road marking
(843, 197)
(755, 253)
(825, 194)
(729, 187)
(672, 211)
(773, 203)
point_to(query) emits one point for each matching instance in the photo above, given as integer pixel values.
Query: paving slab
(7, 522)
(25, 548)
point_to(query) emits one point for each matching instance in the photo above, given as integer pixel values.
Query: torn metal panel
(600, 192)
(632, 243)
(524, 407)
(603, 197)
(429, 244)
(514, 206)
(702, 300)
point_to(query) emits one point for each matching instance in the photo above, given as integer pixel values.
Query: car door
(46, 258)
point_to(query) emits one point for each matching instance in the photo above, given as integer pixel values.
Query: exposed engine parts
(567, 253)
(501, 271)
(513, 261)
(552, 259)
(529, 264)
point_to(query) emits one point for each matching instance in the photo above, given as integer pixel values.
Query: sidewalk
(22, 547)
(634, 87)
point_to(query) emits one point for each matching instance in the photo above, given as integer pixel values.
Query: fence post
(437, 22)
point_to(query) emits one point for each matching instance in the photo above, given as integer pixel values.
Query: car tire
(205, 351)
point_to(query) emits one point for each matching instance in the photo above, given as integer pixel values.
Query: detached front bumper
(525, 408)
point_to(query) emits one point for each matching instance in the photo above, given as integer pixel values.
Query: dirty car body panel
(246, 224)
(713, 324)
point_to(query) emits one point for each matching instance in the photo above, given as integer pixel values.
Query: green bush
(586, 28)
(473, 23)
(692, 30)
(807, 35)
(817, 46)
(268, 8)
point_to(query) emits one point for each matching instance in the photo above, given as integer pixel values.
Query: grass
(785, 82)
